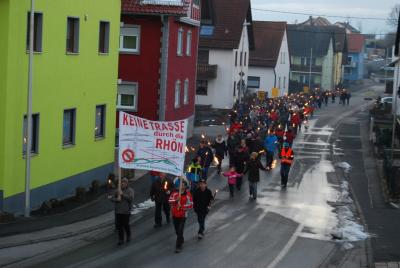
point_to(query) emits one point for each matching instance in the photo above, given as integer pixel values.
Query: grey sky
(354, 8)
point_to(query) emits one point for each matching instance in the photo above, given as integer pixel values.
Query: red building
(158, 57)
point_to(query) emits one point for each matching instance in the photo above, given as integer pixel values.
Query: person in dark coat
(159, 193)
(123, 200)
(232, 144)
(253, 167)
(207, 157)
(202, 200)
(220, 151)
(241, 157)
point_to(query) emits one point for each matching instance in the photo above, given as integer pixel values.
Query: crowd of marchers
(258, 131)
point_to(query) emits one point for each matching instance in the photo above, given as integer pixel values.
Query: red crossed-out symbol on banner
(128, 155)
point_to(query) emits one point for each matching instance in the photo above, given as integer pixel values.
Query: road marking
(287, 247)
(246, 234)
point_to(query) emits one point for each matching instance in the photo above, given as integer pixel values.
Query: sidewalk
(94, 209)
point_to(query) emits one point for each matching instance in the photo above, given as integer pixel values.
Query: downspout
(163, 68)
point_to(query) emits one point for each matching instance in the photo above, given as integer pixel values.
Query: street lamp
(27, 211)
(242, 74)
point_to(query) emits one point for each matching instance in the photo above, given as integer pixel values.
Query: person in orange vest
(181, 201)
(286, 157)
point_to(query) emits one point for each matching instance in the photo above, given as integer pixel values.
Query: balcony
(352, 64)
(159, 7)
(206, 71)
(305, 69)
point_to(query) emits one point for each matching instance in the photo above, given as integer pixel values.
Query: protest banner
(152, 145)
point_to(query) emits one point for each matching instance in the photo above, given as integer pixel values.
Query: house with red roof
(269, 65)
(157, 59)
(354, 69)
(226, 36)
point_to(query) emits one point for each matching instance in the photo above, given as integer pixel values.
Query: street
(282, 228)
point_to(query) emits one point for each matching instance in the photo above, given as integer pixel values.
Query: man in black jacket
(253, 166)
(220, 150)
(159, 193)
(202, 199)
(207, 157)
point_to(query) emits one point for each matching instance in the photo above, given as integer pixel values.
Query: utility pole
(309, 78)
(394, 110)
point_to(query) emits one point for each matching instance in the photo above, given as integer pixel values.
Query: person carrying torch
(181, 201)
(207, 157)
(202, 200)
(159, 193)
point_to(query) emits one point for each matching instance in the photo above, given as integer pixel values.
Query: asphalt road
(283, 228)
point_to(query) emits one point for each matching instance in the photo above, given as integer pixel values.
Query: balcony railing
(175, 7)
(164, 2)
(306, 69)
(352, 64)
(206, 71)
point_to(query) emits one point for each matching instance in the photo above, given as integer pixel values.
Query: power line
(321, 15)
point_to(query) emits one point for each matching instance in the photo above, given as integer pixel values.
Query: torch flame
(186, 149)
(203, 136)
(165, 185)
(216, 161)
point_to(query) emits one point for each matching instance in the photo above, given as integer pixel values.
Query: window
(304, 79)
(245, 58)
(72, 35)
(35, 134)
(234, 88)
(177, 94)
(104, 37)
(349, 59)
(186, 92)
(303, 61)
(203, 57)
(279, 82)
(283, 57)
(201, 87)
(284, 82)
(241, 58)
(236, 58)
(188, 43)
(37, 31)
(253, 82)
(129, 40)
(69, 127)
(180, 42)
(127, 96)
(99, 130)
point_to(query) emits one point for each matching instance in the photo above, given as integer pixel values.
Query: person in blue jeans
(253, 167)
(206, 156)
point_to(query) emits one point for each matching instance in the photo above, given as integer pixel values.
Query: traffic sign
(128, 155)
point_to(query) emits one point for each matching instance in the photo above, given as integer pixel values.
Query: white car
(387, 100)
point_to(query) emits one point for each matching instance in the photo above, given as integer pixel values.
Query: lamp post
(27, 211)
(242, 74)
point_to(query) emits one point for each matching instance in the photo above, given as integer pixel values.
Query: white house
(269, 65)
(223, 52)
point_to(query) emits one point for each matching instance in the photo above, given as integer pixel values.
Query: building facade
(74, 77)
(157, 72)
(223, 52)
(269, 66)
(354, 69)
(312, 58)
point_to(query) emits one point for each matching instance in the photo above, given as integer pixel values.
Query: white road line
(246, 234)
(287, 247)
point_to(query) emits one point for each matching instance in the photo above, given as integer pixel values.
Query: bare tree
(393, 17)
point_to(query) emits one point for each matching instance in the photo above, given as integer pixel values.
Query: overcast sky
(354, 8)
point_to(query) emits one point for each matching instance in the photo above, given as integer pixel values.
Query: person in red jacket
(181, 201)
